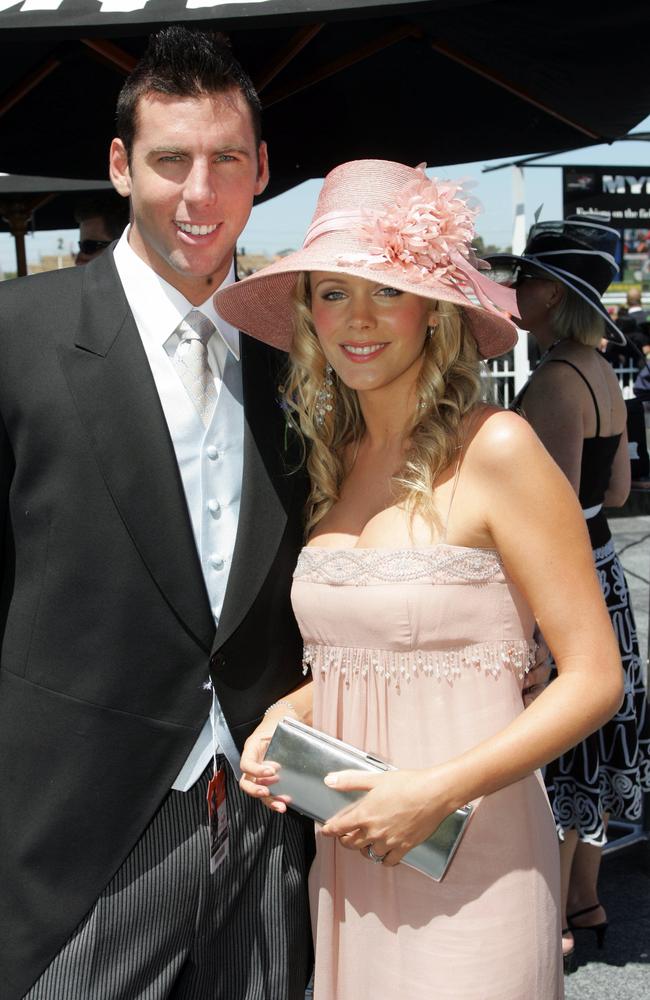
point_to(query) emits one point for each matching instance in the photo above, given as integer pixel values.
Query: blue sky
(280, 224)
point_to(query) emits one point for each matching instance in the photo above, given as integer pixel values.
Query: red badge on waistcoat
(218, 819)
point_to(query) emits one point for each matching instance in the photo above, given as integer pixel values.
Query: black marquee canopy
(446, 81)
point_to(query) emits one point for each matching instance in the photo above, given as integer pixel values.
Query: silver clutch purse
(306, 755)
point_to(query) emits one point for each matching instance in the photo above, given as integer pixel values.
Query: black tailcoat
(106, 631)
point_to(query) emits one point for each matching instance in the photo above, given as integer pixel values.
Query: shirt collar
(157, 306)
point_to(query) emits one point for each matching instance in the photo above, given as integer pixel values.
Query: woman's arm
(538, 528)
(535, 521)
(618, 488)
(257, 774)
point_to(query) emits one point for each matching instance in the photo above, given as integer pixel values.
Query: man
(633, 322)
(151, 527)
(635, 302)
(101, 219)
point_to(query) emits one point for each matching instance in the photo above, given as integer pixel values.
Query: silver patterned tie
(191, 361)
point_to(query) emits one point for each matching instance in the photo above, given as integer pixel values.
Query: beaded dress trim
(440, 564)
(517, 655)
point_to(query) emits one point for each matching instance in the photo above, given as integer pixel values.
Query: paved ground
(622, 970)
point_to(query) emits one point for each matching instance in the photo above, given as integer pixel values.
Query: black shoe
(598, 929)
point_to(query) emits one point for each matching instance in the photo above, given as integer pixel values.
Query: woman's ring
(377, 859)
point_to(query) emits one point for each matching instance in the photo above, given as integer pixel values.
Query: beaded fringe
(396, 667)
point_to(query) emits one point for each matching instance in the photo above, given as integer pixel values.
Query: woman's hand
(399, 811)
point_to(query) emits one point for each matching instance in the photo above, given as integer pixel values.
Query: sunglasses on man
(89, 247)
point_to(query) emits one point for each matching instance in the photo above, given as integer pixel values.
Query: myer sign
(621, 194)
(625, 183)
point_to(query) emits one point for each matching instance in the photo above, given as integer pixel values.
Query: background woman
(574, 403)
(417, 595)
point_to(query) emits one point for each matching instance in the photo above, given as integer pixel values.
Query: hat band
(331, 222)
(489, 293)
(573, 277)
(595, 225)
(590, 253)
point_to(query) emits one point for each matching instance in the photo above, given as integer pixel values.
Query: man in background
(633, 322)
(102, 218)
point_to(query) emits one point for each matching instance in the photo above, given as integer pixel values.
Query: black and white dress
(609, 772)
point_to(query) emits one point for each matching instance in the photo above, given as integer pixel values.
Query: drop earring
(325, 397)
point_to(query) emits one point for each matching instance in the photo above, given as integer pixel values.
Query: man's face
(194, 171)
(93, 229)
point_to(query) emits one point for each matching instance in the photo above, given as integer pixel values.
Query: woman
(574, 403)
(417, 594)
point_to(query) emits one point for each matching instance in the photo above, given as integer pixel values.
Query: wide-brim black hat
(577, 252)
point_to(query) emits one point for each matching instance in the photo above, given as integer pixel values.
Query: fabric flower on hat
(425, 230)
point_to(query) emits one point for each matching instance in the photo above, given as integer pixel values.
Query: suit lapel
(114, 391)
(267, 487)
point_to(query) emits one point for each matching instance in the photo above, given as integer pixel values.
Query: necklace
(548, 350)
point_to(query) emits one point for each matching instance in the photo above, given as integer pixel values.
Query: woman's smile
(361, 353)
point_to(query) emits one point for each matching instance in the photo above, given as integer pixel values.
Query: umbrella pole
(522, 367)
(21, 255)
(18, 219)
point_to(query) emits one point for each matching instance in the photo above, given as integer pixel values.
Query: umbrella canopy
(52, 198)
(444, 81)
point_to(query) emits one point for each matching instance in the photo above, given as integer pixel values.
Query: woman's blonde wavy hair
(448, 387)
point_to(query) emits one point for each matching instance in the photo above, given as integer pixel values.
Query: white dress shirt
(210, 459)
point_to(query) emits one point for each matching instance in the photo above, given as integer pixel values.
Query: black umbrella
(434, 80)
(53, 197)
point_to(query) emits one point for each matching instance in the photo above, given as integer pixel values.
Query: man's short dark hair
(108, 206)
(181, 62)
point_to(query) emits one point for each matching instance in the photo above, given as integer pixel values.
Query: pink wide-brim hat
(384, 222)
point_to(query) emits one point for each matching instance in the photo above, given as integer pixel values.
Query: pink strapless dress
(417, 655)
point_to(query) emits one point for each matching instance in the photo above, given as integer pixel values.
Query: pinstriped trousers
(164, 927)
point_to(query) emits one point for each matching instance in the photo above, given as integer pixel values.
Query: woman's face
(536, 298)
(371, 333)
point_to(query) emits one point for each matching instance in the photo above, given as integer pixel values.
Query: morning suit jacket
(105, 626)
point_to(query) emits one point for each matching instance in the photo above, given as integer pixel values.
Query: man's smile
(192, 229)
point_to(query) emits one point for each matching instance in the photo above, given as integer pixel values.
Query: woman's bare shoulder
(498, 433)
(504, 450)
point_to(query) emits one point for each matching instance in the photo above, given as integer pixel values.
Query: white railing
(499, 381)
